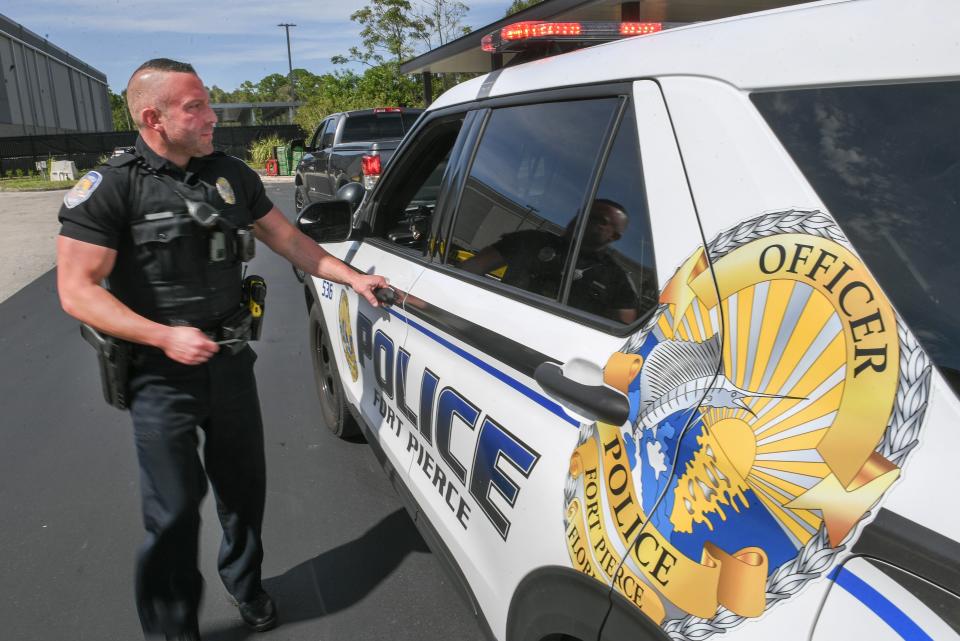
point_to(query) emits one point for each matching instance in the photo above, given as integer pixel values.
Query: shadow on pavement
(338, 578)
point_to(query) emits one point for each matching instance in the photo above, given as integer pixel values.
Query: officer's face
(605, 225)
(186, 117)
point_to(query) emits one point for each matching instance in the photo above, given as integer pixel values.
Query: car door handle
(385, 295)
(596, 402)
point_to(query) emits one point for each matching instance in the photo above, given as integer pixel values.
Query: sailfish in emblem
(676, 375)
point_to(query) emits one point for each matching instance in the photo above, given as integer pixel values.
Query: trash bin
(283, 159)
(295, 156)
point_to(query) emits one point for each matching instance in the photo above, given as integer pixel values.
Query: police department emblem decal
(226, 191)
(770, 410)
(83, 189)
(346, 336)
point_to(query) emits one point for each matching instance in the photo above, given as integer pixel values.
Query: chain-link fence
(24, 152)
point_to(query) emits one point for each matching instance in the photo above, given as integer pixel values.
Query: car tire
(299, 198)
(333, 404)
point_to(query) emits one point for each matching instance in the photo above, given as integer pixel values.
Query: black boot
(259, 613)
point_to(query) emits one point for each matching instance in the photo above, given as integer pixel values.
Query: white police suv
(675, 336)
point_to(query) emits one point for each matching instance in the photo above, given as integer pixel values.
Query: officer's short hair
(165, 64)
(157, 64)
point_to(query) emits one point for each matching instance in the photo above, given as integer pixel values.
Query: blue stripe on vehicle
(530, 393)
(880, 605)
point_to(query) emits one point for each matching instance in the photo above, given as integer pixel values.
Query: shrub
(262, 150)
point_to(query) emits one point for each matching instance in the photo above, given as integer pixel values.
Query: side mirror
(353, 194)
(327, 222)
(301, 143)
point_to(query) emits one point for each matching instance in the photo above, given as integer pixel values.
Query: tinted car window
(527, 184)
(886, 162)
(410, 199)
(377, 126)
(615, 274)
(315, 141)
(329, 131)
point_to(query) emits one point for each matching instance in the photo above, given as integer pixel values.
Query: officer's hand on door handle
(365, 284)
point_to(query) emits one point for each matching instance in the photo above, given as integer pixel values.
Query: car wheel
(333, 404)
(299, 198)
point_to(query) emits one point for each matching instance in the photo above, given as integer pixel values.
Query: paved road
(343, 560)
(29, 223)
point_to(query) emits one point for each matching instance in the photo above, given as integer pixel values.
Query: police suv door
(395, 218)
(507, 383)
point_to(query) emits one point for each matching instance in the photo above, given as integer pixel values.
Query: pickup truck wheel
(299, 198)
(333, 405)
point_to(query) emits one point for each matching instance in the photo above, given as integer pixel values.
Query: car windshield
(378, 126)
(885, 160)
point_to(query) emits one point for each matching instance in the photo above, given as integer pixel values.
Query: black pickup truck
(353, 146)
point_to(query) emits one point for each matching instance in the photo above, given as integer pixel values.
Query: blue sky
(227, 42)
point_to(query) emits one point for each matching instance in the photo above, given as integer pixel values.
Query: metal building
(45, 90)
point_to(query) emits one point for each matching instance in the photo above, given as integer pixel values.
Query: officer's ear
(150, 117)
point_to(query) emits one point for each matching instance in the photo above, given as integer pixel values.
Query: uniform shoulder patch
(82, 190)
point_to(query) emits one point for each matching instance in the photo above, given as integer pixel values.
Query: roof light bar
(640, 28)
(517, 36)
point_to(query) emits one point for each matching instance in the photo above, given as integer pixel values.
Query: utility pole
(286, 26)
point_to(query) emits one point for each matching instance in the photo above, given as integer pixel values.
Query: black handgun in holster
(113, 356)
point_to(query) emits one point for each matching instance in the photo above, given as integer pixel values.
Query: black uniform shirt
(163, 269)
(104, 217)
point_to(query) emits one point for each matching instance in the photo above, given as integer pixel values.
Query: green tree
(346, 90)
(520, 5)
(274, 88)
(246, 92)
(307, 84)
(439, 21)
(218, 95)
(389, 30)
(118, 108)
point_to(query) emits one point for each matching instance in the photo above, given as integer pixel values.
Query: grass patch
(34, 183)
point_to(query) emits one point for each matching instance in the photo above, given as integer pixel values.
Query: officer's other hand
(188, 345)
(364, 284)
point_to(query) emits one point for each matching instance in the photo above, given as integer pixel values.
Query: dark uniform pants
(169, 402)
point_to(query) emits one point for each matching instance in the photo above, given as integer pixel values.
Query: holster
(113, 357)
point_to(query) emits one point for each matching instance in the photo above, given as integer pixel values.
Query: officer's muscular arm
(81, 267)
(288, 241)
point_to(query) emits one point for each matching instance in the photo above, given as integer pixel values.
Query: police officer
(167, 228)
(535, 260)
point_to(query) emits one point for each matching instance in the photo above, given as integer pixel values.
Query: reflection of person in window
(535, 261)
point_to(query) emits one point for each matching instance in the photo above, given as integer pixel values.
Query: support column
(427, 88)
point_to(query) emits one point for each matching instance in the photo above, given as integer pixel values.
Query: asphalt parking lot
(343, 560)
